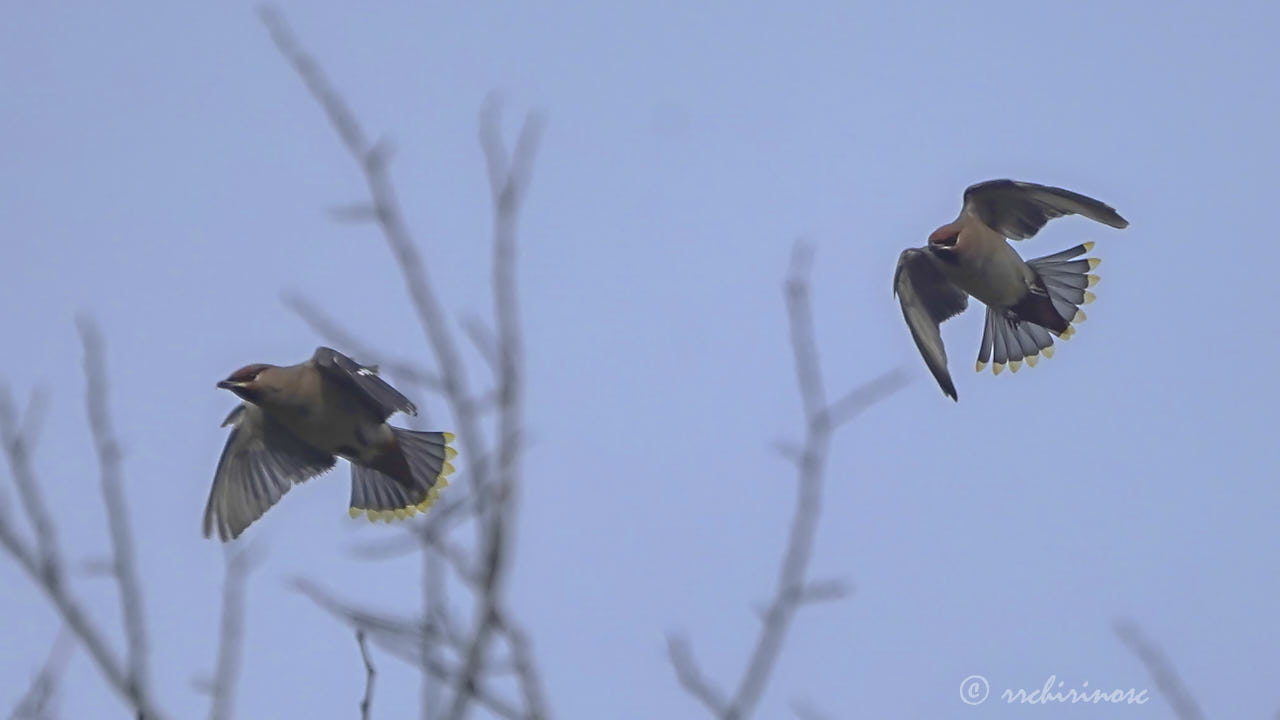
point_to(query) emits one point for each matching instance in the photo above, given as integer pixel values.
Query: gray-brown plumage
(1028, 302)
(296, 421)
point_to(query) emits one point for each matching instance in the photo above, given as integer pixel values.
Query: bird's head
(944, 237)
(245, 381)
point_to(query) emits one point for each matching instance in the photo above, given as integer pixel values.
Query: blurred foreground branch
(38, 702)
(1166, 678)
(366, 703)
(239, 563)
(42, 559)
(793, 588)
(493, 461)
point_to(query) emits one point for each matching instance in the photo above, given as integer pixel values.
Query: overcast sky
(166, 171)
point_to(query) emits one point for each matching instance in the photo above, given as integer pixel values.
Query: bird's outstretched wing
(1018, 210)
(927, 299)
(261, 461)
(364, 379)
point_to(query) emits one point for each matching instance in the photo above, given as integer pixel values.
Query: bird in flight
(1028, 302)
(296, 421)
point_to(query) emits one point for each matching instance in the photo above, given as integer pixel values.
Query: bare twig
(329, 329)
(494, 475)
(100, 424)
(372, 160)
(44, 562)
(805, 711)
(535, 702)
(792, 588)
(435, 603)
(1162, 672)
(507, 178)
(400, 639)
(239, 563)
(17, 444)
(366, 703)
(691, 677)
(37, 703)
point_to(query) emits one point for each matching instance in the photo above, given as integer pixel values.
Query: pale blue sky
(165, 170)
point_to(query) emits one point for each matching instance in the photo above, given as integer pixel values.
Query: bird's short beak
(228, 384)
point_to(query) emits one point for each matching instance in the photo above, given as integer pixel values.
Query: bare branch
(398, 638)
(17, 445)
(507, 178)
(329, 329)
(805, 711)
(485, 343)
(1162, 672)
(114, 502)
(792, 588)
(44, 562)
(372, 161)
(366, 704)
(803, 347)
(435, 603)
(691, 678)
(354, 213)
(535, 702)
(37, 702)
(493, 483)
(239, 563)
(852, 403)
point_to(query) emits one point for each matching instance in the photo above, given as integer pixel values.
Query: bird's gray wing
(364, 379)
(1018, 210)
(927, 299)
(261, 461)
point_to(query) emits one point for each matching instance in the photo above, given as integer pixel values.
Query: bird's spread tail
(1023, 333)
(390, 492)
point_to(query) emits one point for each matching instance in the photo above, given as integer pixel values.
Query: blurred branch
(239, 563)
(792, 588)
(372, 160)
(366, 703)
(391, 636)
(690, 676)
(329, 329)
(805, 711)
(18, 440)
(113, 500)
(37, 702)
(508, 178)
(494, 474)
(44, 562)
(1161, 670)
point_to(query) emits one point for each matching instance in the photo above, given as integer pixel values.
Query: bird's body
(297, 420)
(971, 256)
(332, 418)
(985, 265)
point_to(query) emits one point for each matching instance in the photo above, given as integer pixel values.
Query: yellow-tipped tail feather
(441, 482)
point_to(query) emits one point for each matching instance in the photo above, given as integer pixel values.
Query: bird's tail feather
(383, 497)
(1008, 340)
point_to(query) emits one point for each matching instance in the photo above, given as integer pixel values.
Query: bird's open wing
(261, 461)
(928, 298)
(364, 379)
(1018, 210)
